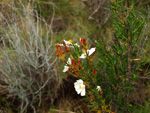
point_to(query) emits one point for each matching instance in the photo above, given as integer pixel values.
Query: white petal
(91, 51)
(83, 56)
(83, 91)
(78, 90)
(76, 86)
(77, 45)
(69, 61)
(80, 81)
(67, 42)
(65, 68)
(98, 88)
(76, 83)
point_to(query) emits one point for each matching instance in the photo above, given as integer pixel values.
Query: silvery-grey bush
(27, 62)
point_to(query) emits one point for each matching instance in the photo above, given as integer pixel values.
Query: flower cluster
(73, 55)
(72, 64)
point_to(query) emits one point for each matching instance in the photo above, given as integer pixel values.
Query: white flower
(80, 87)
(98, 88)
(66, 68)
(89, 52)
(69, 61)
(68, 43)
(77, 45)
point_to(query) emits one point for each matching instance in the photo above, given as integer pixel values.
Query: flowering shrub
(109, 82)
(78, 62)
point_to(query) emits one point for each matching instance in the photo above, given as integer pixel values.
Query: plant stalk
(128, 48)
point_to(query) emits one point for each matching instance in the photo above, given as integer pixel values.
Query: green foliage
(117, 64)
(117, 74)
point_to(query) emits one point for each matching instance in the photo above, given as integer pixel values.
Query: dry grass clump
(27, 62)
